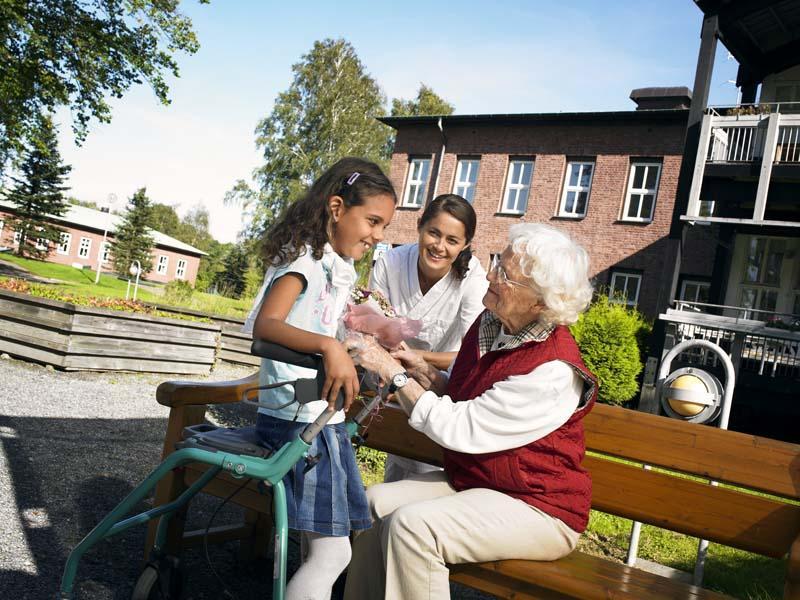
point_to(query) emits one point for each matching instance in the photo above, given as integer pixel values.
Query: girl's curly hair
(458, 208)
(307, 221)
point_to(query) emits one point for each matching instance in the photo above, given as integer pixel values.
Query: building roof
(562, 117)
(762, 35)
(89, 218)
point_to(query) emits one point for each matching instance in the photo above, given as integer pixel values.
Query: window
(466, 177)
(625, 288)
(105, 252)
(706, 208)
(17, 238)
(85, 246)
(180, 270)
(518, 184)
(64, 243)
(577, 185)
(640, 200)
(761, 276)
(695, 291)
(161, 268)
(418, 172)
(42, 244)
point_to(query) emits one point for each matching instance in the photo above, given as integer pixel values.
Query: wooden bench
(769, 526)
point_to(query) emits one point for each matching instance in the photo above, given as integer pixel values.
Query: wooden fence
(234, 345)
(75, 337)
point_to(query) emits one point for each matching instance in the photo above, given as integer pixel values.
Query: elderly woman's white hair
(557, 268)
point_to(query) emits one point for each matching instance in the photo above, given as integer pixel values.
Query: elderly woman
(509, 418)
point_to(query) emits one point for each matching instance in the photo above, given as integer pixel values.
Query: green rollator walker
(237, 451)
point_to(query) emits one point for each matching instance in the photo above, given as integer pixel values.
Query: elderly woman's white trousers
(421, 524)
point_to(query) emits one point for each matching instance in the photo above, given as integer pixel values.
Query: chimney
(662, 98)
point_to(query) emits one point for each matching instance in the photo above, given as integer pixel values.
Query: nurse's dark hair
(307, 220)
(458, 208)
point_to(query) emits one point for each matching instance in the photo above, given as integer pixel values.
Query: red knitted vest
(547, 473)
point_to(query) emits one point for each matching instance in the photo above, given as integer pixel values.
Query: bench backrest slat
(737, 458)
(746, 521)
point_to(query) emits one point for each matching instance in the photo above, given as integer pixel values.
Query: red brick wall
(610, 241)
(192, 262)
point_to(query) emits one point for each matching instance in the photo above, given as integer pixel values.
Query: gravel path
(72, 445)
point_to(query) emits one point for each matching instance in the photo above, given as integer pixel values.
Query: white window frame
(64, 243)
(163, 264)
(17, 237)
(417, 182)
(628, 277)
(696, 282)
(180, 269)
(42, 244)
(467, 172)
(576, 189)
(641, 192)
(519, 187)
(104, 254)
(84, 250)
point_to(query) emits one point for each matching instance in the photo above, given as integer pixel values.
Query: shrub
(178, 291)
(609, 336)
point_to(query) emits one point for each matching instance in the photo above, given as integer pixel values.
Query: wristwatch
(398, 381)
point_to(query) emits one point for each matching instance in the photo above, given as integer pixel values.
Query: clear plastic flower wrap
(369, 312)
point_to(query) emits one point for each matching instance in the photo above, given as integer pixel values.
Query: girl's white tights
(324, 559)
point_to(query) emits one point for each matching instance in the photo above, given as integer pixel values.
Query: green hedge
(611, 336)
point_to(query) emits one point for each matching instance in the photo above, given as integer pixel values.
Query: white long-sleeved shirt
(511, 414)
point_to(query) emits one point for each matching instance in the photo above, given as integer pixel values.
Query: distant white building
(82, 244)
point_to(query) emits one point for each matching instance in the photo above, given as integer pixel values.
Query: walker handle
(280, 353)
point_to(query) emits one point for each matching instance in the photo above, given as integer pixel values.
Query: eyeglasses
(502, 276)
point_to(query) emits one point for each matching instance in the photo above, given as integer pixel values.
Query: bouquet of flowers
(369, 312)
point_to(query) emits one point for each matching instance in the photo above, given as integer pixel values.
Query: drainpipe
(440, 125)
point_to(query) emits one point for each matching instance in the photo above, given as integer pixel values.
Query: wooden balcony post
(767, 160)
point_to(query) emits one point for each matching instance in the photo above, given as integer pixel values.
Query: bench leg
(257, 544)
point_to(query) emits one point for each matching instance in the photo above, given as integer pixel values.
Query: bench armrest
(199, 393)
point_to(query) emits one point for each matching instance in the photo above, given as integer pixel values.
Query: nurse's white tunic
(446, 312)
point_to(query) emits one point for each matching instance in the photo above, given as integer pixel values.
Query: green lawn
(80, 282)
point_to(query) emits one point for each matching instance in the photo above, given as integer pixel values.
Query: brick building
(82, 244)
(607, 178)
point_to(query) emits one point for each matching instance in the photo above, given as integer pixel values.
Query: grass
(80, 282)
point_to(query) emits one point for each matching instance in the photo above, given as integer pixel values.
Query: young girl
(311, 250)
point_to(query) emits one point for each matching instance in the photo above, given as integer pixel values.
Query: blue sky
(498, 57)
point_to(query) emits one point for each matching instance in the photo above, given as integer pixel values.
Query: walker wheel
(161, 580)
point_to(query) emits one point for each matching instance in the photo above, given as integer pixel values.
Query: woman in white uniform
(439, 282)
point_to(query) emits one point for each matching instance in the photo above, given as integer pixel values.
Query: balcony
(762, 344)
(748, 140)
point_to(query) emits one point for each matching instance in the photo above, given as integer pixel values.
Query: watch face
(399, 380)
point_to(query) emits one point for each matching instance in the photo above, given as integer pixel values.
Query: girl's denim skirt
(329, 499)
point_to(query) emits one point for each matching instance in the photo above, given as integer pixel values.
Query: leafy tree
(75, 53)
(38, 195)
(427, 102)
(212, 265)
(608, 335)
(86, 203)
(194, 228)
(165, 219)
(328, 112)
(132, 239)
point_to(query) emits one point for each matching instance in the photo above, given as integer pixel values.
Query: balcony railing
(738, 133)
(754, 346)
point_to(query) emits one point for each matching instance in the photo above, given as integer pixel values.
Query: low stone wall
(74, 337)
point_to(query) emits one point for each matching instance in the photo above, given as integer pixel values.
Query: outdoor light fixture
(135, 271)
(692, 395)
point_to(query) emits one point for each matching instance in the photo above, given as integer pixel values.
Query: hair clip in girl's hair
(352, 179)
